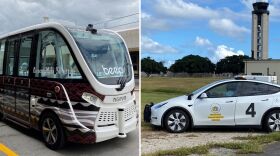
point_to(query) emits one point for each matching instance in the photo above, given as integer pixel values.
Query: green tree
(151, 66)
(193, 64)
(231, 64)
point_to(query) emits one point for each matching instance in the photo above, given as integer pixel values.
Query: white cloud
(149, 22)
(217, 52)
(223, 51)
(168, 63)
(199, 41)
(248, 3)
(274, 7)
(227, 27)
(151, 46)
(182, 9)
(21, 13)
(145, 15)
(274, 11)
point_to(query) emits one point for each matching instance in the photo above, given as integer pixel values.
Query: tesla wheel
(272, 122)
(176, 121)
(52, 131)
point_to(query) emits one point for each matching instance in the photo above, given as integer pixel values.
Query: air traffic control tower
(260, 23)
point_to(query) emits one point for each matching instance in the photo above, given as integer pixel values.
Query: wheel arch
(177, 107)
(46, 111)
(267, 112)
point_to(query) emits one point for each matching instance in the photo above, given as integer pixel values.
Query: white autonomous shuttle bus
(71, 84)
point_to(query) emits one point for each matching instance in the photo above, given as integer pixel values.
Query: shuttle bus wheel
(52, 131)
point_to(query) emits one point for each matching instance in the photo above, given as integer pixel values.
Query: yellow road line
(7, 151)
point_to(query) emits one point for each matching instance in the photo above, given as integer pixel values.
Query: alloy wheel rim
(49, 131)
(274, 122)
(176, 121)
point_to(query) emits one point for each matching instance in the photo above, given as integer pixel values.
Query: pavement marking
(7, 151)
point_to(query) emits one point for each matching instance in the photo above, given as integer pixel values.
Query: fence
(171, 74)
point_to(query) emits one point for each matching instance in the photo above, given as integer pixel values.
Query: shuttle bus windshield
(105, 54)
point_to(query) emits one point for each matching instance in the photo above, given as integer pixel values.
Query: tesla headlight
(160, 105)
(90, 98)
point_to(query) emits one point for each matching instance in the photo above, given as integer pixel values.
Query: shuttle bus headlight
(90, 98)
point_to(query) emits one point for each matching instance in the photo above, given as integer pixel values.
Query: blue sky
(172, 29)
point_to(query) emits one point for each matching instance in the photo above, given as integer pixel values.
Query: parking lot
(26, 142)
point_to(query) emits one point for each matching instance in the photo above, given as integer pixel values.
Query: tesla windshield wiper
(122, 80)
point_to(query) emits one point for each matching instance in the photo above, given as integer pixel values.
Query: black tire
(52, 131)
(176, 121)
(272, 121)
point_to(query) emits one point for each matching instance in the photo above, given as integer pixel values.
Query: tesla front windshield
(105, 54)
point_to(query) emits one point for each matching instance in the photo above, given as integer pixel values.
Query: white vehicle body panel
(202, 110)
(262, 104)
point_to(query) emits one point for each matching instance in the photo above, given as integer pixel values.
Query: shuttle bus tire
(52, 131)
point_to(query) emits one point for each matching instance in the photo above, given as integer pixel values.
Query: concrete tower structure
(260, 24)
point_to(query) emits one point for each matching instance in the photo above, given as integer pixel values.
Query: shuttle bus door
(9, 87)
(22, 82)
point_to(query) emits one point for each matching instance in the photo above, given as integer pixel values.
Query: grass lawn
(157, 89)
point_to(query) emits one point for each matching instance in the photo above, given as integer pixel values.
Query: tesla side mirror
(203, 96)
(190, 97)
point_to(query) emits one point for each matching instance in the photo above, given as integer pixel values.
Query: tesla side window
(254, 89)
(54, 59)
(273, 89)
(223, 90)
(265, 89)
(249, 89)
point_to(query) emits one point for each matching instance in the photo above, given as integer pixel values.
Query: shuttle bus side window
(24, 56)
(2, 50)
(10, 57)
(54, 59)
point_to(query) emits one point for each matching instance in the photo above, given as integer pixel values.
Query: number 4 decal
(251, 110)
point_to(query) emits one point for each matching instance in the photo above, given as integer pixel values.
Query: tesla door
(219, 106)
(252, 102)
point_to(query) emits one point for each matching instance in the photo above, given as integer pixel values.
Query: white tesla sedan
(222, 103)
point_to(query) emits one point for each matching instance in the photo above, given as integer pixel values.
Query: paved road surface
(270, 150)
